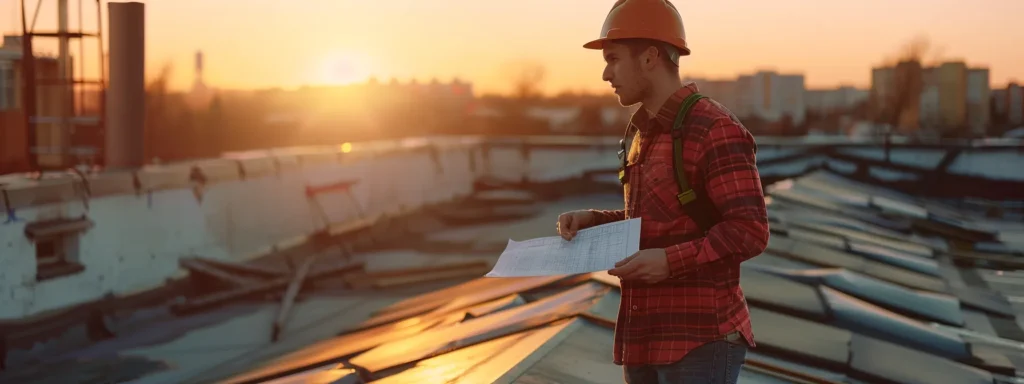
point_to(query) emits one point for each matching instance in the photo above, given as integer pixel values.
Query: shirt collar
(667, 114)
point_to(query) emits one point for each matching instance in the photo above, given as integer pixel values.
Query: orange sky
(266, 43)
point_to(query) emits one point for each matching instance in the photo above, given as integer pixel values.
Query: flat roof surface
(858, 284)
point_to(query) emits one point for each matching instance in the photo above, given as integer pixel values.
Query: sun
(345, 68)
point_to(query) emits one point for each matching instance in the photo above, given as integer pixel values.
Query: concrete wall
(139, 233)
(145, 220)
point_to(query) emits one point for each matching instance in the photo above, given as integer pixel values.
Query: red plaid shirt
(702, 300)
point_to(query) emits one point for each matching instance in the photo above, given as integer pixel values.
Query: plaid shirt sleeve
(734, 186)
(607, 216)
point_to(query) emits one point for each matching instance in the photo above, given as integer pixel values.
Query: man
(683, 317)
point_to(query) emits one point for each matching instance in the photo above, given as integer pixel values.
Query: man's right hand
(571, 222)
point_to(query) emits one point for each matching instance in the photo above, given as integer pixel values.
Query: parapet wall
(143, 222)
(126, 231)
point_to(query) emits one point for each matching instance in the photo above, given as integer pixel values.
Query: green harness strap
(696, 205)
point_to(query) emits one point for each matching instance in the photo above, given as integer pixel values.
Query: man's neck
(660, 93)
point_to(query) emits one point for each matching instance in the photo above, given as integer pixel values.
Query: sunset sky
(267, 43)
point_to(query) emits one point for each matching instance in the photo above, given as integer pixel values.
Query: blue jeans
(717, 362)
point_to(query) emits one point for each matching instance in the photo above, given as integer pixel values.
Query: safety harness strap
(695, 203)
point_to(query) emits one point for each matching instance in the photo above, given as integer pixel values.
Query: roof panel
(903, 277)
(605, 278)
(804, 339)
(427, 344)
(768, 259)
(814, 254)
(892, 241)
(991, 302)
(818, 218)
(893, 223)
(816, 237)
(779, 293)
(896, 258)
(482, 363)
(781, 367)
(435, 299)
(859, 316)
(584, 357)
(891, 362)
(507, 302)
(991, 359)
(607, 308)
(926, 305)
(520, 286)
(334, 349)
(824, 256)
(324, 376)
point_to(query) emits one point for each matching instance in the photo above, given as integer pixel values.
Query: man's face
(625, 74)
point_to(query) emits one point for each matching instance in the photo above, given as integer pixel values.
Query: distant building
(979, 94)
(1008, 104)
(947, 98)
(10, 56)
(13, 135)
(889, 84)
(951, 79)
(767, 95)
(1015, 104)
(833, 100)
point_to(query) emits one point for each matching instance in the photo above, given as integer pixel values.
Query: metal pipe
(64, 90)
(28, 95)
(126, 109)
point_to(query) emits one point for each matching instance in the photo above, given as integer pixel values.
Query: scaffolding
(72, 134)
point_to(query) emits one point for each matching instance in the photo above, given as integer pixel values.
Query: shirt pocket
(659, 191)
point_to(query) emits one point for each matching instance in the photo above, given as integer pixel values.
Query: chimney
(126, 94)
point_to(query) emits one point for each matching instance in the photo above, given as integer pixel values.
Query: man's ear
(650, 57)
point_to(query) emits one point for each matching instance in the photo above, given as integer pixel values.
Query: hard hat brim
(596, 44)
(599, 44)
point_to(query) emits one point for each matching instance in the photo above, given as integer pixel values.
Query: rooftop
(859, 284)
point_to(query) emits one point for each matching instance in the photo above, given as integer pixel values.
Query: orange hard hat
(643, 19)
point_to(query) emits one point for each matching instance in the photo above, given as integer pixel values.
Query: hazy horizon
(271, 44)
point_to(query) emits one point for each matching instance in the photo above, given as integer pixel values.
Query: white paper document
(593, 249)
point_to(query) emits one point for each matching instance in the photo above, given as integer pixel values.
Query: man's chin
(626, 102)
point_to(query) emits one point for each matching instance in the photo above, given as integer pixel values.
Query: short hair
(669, 54)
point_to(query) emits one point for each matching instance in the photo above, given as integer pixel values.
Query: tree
(527, 78)
(896, 102)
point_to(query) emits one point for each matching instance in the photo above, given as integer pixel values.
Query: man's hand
(649, 266)
(571, 222)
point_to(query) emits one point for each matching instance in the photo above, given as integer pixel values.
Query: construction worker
(689, 174)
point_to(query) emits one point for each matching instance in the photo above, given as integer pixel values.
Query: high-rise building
(766, 95)
(1015, 104)
(951, 80)
(1008, 104)
(951, 98)
(979, 94)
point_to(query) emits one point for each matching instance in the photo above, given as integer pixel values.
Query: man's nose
(606, 75)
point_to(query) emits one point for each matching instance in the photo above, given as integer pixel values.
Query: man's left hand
(649, 266)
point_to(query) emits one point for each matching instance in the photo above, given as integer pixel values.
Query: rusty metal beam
(289, 296)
